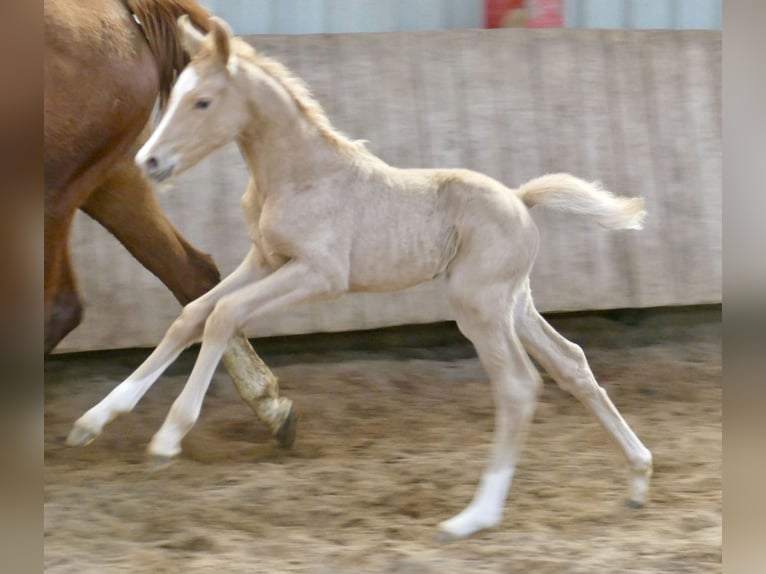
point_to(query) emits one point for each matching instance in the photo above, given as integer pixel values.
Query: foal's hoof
(472, 520)
(285, 434)
(80, 436)
(444, 537)
(159, 461)
(638, 489)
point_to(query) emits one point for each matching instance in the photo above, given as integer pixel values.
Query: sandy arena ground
(392, 439)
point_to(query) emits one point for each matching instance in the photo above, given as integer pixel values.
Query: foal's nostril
(152, 163)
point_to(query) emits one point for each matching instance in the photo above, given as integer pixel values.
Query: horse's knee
(480, 322)
(521, 390)
(224, 320)
(575, 376)
(191, 321)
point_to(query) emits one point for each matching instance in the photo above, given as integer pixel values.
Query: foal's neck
(283, 148)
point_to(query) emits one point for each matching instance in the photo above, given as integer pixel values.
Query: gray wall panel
(638, 110)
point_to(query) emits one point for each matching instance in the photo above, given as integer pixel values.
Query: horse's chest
(272, 246)
(258, 230)
(251, 209)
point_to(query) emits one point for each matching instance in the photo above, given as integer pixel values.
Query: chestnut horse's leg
(66, 308)
(62, 307)
(125, 205)
(127, 198)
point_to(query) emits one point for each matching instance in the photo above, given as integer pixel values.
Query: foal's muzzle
(155, 169)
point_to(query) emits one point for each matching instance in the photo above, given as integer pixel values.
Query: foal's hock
(327, 217)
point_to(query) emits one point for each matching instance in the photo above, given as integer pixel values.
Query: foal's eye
(201, 104)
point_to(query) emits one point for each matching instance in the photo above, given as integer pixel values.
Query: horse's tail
(565, 192)
(157, 19)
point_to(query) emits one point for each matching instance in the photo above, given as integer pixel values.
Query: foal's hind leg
(567, 364)
(486, 321)
(126, 205)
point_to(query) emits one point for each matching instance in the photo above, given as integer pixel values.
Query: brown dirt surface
(392, 440)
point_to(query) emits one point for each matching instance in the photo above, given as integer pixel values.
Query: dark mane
(157, 20)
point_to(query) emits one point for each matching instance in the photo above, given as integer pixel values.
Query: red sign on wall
(524, 13)
(545, 13)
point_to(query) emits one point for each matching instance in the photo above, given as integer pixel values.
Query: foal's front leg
(183, 332)
(293, 283)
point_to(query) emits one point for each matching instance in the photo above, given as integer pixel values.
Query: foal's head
(206, 108)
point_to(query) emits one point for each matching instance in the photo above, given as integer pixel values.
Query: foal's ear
(222, 34)
(191, 38)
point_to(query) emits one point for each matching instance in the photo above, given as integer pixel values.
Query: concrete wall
(639, 110)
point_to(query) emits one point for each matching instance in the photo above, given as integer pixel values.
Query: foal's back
(408, 224)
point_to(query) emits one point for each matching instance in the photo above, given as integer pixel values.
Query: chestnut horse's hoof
(285, 434)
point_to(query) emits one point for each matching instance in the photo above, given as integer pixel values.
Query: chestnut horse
(106, 64)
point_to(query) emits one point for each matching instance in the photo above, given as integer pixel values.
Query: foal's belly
(392, 259)
(401, 234)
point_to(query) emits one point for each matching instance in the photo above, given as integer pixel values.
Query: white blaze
(186, 82)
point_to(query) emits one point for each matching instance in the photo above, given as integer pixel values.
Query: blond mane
(300, 93)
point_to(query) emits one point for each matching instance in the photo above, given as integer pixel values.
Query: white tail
(565, 192)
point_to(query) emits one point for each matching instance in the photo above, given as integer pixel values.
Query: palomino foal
(327, 217)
